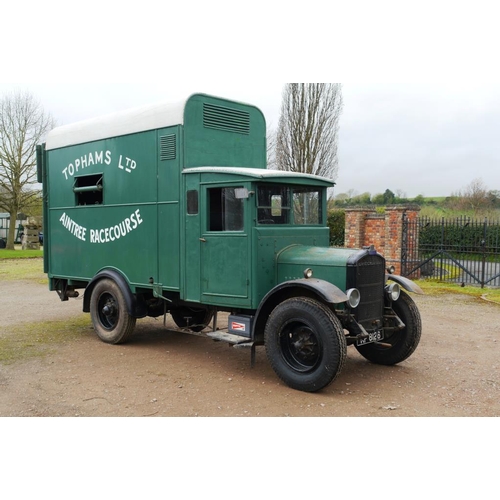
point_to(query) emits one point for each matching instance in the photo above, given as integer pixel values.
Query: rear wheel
(401, 344)
(108, 310)
(305, 344)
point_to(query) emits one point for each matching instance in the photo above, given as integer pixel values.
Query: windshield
(289, 205)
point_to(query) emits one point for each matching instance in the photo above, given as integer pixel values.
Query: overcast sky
(429, 139)
(421, 138)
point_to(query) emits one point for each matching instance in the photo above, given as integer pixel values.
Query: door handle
(203, 240)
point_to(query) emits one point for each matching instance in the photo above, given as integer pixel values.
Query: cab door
(225, 258)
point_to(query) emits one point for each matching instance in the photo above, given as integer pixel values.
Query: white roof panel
(127, 122)
(256, 173)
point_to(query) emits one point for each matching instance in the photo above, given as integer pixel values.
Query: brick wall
(365, 227)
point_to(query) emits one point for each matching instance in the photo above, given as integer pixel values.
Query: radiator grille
(368, 276)
(227, 119)
(168, 147)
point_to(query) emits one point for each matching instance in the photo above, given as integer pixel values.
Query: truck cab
(170, 209)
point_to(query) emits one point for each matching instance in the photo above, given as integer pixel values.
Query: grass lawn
(22, 269)
(20, 254)
(40, 338)
(432, 287)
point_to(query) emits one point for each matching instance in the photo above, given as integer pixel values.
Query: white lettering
(134, 222)
(138, 215)
(74, 228)
(99, 157)
(118, 231)
(106, 235)
(93, 158)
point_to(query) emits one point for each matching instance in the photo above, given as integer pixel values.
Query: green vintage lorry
(170, 209)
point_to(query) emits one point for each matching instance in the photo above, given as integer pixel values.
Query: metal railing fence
(461, 250)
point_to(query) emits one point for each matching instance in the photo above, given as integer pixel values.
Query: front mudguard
(407, 284)
(322, 290)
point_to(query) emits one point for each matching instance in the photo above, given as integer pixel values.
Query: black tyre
(403, 342)
(195, 320)
(305, 344)
(108, 310)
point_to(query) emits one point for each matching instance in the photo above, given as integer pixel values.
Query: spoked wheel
(195, 320)
(108, 310)
(399, 345)
(305, 344)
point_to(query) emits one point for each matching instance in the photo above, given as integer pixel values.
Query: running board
(236, 341)
(229, 338)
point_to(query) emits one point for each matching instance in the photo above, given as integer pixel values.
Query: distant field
(435, 199)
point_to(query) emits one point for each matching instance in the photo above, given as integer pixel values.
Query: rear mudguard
(134, 308)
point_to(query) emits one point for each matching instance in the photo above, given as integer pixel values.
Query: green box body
(138, 193)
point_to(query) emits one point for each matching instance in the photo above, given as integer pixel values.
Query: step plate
(228, 337)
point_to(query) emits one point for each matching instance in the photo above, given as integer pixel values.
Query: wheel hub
(109, 309)
(301, 348)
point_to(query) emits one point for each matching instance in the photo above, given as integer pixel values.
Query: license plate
(372, 338)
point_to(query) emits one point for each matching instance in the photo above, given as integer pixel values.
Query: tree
(308, 129)
(23, 124)
(474, 197)
(271, 149)
(389, 197)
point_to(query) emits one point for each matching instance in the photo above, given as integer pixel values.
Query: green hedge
(336, 223)
(459, 236)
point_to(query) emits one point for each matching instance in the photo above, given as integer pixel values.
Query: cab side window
(225, 210)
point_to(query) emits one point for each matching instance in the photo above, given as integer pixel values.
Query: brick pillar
(364, 227)
(355, 221)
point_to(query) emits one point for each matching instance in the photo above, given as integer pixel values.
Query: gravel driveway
(454, 372)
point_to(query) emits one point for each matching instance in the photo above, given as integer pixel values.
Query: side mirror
(242, 193)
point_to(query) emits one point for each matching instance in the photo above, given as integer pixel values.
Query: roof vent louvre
(226, 119)
(168, 147)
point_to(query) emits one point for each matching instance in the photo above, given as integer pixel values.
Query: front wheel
(305, 344)
(399, 345)
(108, 310)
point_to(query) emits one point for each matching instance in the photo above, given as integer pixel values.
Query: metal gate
(461, 250)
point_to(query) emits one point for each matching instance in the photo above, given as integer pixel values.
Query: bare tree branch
(308, 130)
(23, 125)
